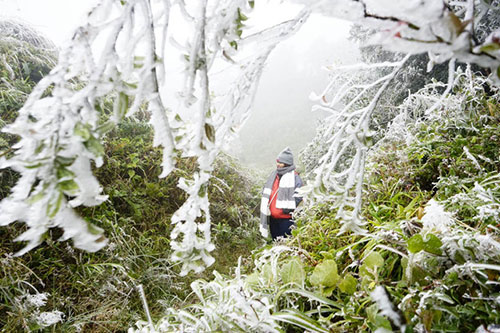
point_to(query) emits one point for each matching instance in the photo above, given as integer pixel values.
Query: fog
(281, 114)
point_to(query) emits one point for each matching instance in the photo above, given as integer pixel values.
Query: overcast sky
(281, 115)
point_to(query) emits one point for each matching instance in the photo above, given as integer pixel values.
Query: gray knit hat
(286, 156)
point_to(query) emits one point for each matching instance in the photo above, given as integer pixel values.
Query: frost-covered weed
(46, 319)
(258, 302)
(30, 306)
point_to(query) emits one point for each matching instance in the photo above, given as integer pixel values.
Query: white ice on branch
(444, 29)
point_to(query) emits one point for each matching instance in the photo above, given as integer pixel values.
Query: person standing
(279, 197)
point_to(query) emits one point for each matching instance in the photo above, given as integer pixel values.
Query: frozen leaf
(373, 260)
(325, 274)
(415, 243)
(293, 272)
(348, 284)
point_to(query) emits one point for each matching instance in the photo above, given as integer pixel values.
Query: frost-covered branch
(339, 175)
(444, 29)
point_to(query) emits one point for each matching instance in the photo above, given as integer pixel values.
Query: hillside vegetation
(428, 260)
(58, 288)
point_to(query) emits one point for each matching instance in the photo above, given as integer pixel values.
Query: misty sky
(281, 115)
(282, 110)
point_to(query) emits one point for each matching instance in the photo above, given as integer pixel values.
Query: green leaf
(293, 272)
(210, 132)
(93, 229)
(37, 197)
(131, 173)
(300, 319)
(63, 172)
(376, 319)
(106, 127)
(54, 204)
(138, 62)
(348, 284)
(415, 243)
(310, 295)
(203, 191)
(241, 16)
(121, 105)
(65, 161)
(69, 186)
(433, 244)
(490, 47)
(373, 260)
(325, 274)
(94, 146)
(251, 3)
(82, 131)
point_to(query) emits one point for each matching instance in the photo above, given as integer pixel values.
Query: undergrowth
(429, 259)
(58, 288)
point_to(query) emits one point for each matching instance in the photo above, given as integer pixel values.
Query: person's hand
(263, 231)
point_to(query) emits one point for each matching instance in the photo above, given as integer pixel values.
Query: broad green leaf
(325, 274)
(433, 244)
(416, 243)
(293, 272)
(348, 284)
(131, 173)
(374, 259)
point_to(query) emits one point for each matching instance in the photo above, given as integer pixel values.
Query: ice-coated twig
(339, 175)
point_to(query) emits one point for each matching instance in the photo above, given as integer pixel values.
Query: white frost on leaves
(61, 134)
(339, 176)
(242, 303)
(36, 300)
(46, 319)
(379, 295)
(436, 219)
(443, 29)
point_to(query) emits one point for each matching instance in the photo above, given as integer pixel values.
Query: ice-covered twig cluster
(339, 176)
(444, 29)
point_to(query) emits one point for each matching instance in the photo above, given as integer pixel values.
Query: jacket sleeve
(298, 183)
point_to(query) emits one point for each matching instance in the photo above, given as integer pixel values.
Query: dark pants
(280, 227)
